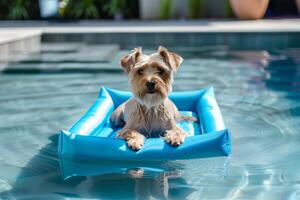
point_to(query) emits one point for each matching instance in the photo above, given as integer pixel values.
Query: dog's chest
(152, 123)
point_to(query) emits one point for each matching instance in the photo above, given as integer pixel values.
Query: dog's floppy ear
(172, 59)
(128, 61)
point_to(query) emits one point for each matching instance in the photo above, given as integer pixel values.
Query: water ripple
(260, 101)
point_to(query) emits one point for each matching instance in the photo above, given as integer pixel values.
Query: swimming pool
(258, 92)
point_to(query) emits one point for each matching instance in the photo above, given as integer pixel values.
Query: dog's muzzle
(150, 86)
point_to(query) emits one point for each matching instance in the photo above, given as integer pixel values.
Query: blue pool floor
(259, 96)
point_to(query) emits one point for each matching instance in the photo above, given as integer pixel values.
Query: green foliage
(80, 9)
(18, 10)
(195, 9)
(228, 10)
(165, 8)
(114, 6)
(63, 7)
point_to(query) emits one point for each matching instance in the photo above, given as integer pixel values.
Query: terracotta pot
(249, 9)
(298, 5)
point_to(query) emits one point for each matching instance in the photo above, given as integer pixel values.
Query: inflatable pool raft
(94, 136)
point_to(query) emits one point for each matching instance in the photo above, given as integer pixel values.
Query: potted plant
(18, 10)
(249, 9)
(116, 8)
(149, 9)
(86, 9)
(49, 8)
(298, 5)
(195, 9)
(165, 9)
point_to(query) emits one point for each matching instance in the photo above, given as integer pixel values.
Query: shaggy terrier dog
(150, 113)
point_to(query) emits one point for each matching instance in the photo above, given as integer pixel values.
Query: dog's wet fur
(150, 113)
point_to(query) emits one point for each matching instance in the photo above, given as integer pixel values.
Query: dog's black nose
(150, 85)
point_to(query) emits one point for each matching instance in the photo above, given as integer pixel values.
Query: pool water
(259, 96)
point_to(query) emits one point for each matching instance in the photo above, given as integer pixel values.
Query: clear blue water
(258, 92)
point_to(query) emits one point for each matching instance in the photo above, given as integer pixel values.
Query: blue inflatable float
(93, 135)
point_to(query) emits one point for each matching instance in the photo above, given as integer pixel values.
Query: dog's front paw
(134, 139)
(175, 137)
(136, 143)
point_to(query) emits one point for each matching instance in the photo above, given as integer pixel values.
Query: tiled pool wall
(235, 41)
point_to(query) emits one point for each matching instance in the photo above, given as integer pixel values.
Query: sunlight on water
(259, 96)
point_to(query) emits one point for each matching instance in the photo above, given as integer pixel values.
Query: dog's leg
(134, 139)
(175, 136)
(117, 117)
(187, 118)
(178, 116)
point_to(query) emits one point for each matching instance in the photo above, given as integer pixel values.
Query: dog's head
(151, 76)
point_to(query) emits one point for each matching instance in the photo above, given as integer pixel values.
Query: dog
(150, 113)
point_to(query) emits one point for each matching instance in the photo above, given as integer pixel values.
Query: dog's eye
(140, 71)
(161, 71)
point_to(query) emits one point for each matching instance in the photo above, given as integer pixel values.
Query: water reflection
(159, 180)
(89, 178)
(149, 179)
(91, 167)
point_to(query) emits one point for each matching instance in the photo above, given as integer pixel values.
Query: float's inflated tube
(94, 136)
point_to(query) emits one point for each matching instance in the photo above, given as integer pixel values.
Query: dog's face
(151, 76)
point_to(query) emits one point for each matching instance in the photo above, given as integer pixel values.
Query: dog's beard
(151, 100)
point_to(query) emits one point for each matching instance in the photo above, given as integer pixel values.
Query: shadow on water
(285, 74)
(87, 178)
(280, 73)
(284, 79)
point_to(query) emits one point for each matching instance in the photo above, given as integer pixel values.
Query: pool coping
(18, 42)
(178, 26)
